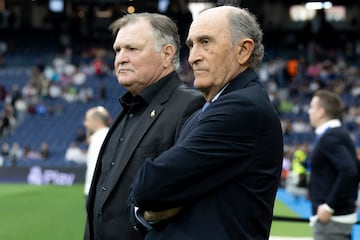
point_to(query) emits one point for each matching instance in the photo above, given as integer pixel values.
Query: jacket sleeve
(344, 162)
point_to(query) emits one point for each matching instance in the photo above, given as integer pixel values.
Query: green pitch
(41, 212)
(293, 229)
(58, 213)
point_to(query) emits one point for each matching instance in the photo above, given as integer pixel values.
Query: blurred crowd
(61, 81)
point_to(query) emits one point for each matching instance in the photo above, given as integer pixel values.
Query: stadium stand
(57, 130)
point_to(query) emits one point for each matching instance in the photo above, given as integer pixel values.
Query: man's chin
(126, 82)
(200, 87)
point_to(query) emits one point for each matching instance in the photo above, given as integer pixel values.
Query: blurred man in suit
(334, 174)
(220, 179)
(154, 109)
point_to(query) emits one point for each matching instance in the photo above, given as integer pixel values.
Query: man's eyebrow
(188, 42)
(197, 39)
(202, 37)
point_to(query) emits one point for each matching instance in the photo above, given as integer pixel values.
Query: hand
(152, 216)
(323, 214)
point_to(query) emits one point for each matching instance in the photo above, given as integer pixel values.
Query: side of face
(137, 63)
(212, 56)
(90, 122)
(315, 112)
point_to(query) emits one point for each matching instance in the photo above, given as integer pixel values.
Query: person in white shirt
(75, 154)
(97, 121)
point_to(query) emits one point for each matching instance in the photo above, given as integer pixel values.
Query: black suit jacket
(173, 104)
(224, 170)
(334, 174)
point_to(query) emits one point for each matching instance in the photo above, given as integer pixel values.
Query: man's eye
(205, 41)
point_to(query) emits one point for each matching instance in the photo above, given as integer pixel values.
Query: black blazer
(173, 104)
(224, 170)
(334, 173)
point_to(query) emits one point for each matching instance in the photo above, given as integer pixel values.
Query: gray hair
(243, 24)
(164, 30)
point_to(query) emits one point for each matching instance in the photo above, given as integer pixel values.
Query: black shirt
(133, 108)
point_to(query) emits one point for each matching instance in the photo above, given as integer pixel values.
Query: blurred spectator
(79, 78)
(80, 136)
(15, 153)
(5, 150)
(29, 92)
(55, 90)
(44, 151)
(70, 94)
(86, 94)
(21, 108)
(299, 126)
(98, 65)
(297, 178)
(39, 82)
(30, 154)
(41, 108)
(286, 167)
(15, 93)
(286, 105)
(7, 120)
(75, 153)
(59, 63)
(3, 93)
(298, 165)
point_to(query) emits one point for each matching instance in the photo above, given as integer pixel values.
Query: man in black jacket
(334, 170)
(153, 112)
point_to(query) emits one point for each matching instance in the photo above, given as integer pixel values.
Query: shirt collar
(147, 94)
(329, 124)
(219, 93)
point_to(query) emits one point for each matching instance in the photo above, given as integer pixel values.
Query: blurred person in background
(7, 120)
(154, 109)
(44, 151)
(15, 153)
(97, 122)
(75, 154)
(220, 179)
(334, 174)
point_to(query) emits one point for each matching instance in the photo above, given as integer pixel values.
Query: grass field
(58, 213)
(293, 229)
(41, 212)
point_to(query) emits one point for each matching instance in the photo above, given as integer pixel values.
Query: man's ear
(245, 48)
(321, 112)
(167, 53)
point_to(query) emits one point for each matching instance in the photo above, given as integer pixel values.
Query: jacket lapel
(150, 115)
